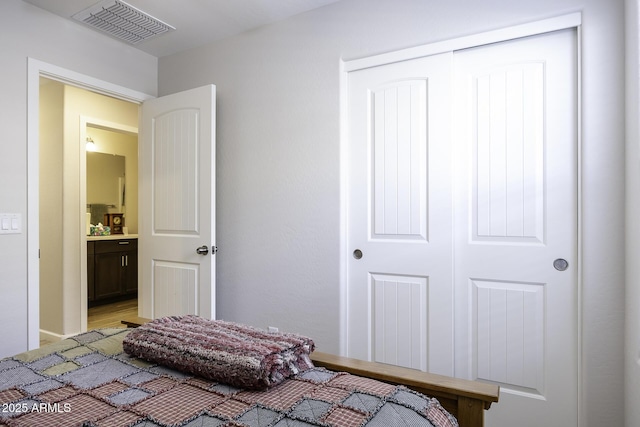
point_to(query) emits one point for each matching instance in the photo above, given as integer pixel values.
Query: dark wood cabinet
(115, 270)
(131, 272)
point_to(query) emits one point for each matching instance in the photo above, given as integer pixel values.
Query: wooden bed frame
(466, 400)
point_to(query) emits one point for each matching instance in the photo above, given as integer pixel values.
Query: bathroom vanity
(112, 268)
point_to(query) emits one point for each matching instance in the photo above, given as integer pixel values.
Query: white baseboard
(52, 337)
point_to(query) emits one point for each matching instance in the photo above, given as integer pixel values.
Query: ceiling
(196, 22)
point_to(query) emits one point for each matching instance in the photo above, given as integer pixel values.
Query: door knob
(357, 254)
(202, 250)
(560, 264)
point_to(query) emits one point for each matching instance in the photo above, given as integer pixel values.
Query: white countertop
(112, 237)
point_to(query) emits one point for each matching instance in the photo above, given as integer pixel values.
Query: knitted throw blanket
(227, 352)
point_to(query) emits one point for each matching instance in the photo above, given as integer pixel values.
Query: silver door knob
(560, 264)
(202, 250)
(357, 254)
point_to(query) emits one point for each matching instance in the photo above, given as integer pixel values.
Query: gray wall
(26, 31)
(632, 297)
(278, 167)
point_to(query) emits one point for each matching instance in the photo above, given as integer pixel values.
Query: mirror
(105, 184)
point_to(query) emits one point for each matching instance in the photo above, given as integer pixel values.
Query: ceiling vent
(122, 21)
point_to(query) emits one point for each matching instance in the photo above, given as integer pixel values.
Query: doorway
(73, 295)
(196, 108)
(69, 116)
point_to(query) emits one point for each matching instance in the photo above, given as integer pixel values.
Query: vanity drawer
(106, 246)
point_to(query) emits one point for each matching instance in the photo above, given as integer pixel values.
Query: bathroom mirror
(105, 184)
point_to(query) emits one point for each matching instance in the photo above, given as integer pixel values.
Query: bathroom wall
(51, 171)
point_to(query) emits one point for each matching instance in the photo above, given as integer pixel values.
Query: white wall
(278, 176)
(26, 31)
(632, 297)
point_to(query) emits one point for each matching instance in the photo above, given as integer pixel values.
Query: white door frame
(35, 70)
(573, 20)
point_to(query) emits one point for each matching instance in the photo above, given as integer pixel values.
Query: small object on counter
(115, 221)
(99, 230)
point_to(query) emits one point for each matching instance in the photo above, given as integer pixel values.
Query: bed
(88, 380)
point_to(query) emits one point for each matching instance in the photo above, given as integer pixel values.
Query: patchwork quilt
(89, 381)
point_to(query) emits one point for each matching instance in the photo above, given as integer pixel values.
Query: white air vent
(123, 21)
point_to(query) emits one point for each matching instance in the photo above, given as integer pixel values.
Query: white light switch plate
(10, 223)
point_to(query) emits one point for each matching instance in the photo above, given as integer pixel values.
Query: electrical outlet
(273, 329)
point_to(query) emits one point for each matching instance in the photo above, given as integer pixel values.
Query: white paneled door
(400, 298)
(177, 204)
(462, 221)
(516, 226)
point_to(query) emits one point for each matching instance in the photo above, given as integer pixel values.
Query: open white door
(177, 205)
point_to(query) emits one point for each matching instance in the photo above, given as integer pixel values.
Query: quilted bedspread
(88, 380)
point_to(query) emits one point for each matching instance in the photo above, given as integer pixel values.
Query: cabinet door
(108, 271)
(130, 273)
(90, 271)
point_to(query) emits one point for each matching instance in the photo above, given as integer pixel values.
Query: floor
(110, 315)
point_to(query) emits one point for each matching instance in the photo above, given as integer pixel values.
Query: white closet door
(515, 118)
(400, 298)
(462, 210)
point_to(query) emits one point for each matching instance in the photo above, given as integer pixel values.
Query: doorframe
(562, 22)
(35, 70)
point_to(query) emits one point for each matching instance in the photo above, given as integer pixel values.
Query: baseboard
(52, 337)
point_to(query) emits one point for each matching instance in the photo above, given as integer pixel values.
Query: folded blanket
(226, 352)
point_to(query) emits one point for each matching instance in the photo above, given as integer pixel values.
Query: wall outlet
(273, 329)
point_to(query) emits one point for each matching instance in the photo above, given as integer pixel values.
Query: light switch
(10, 223)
